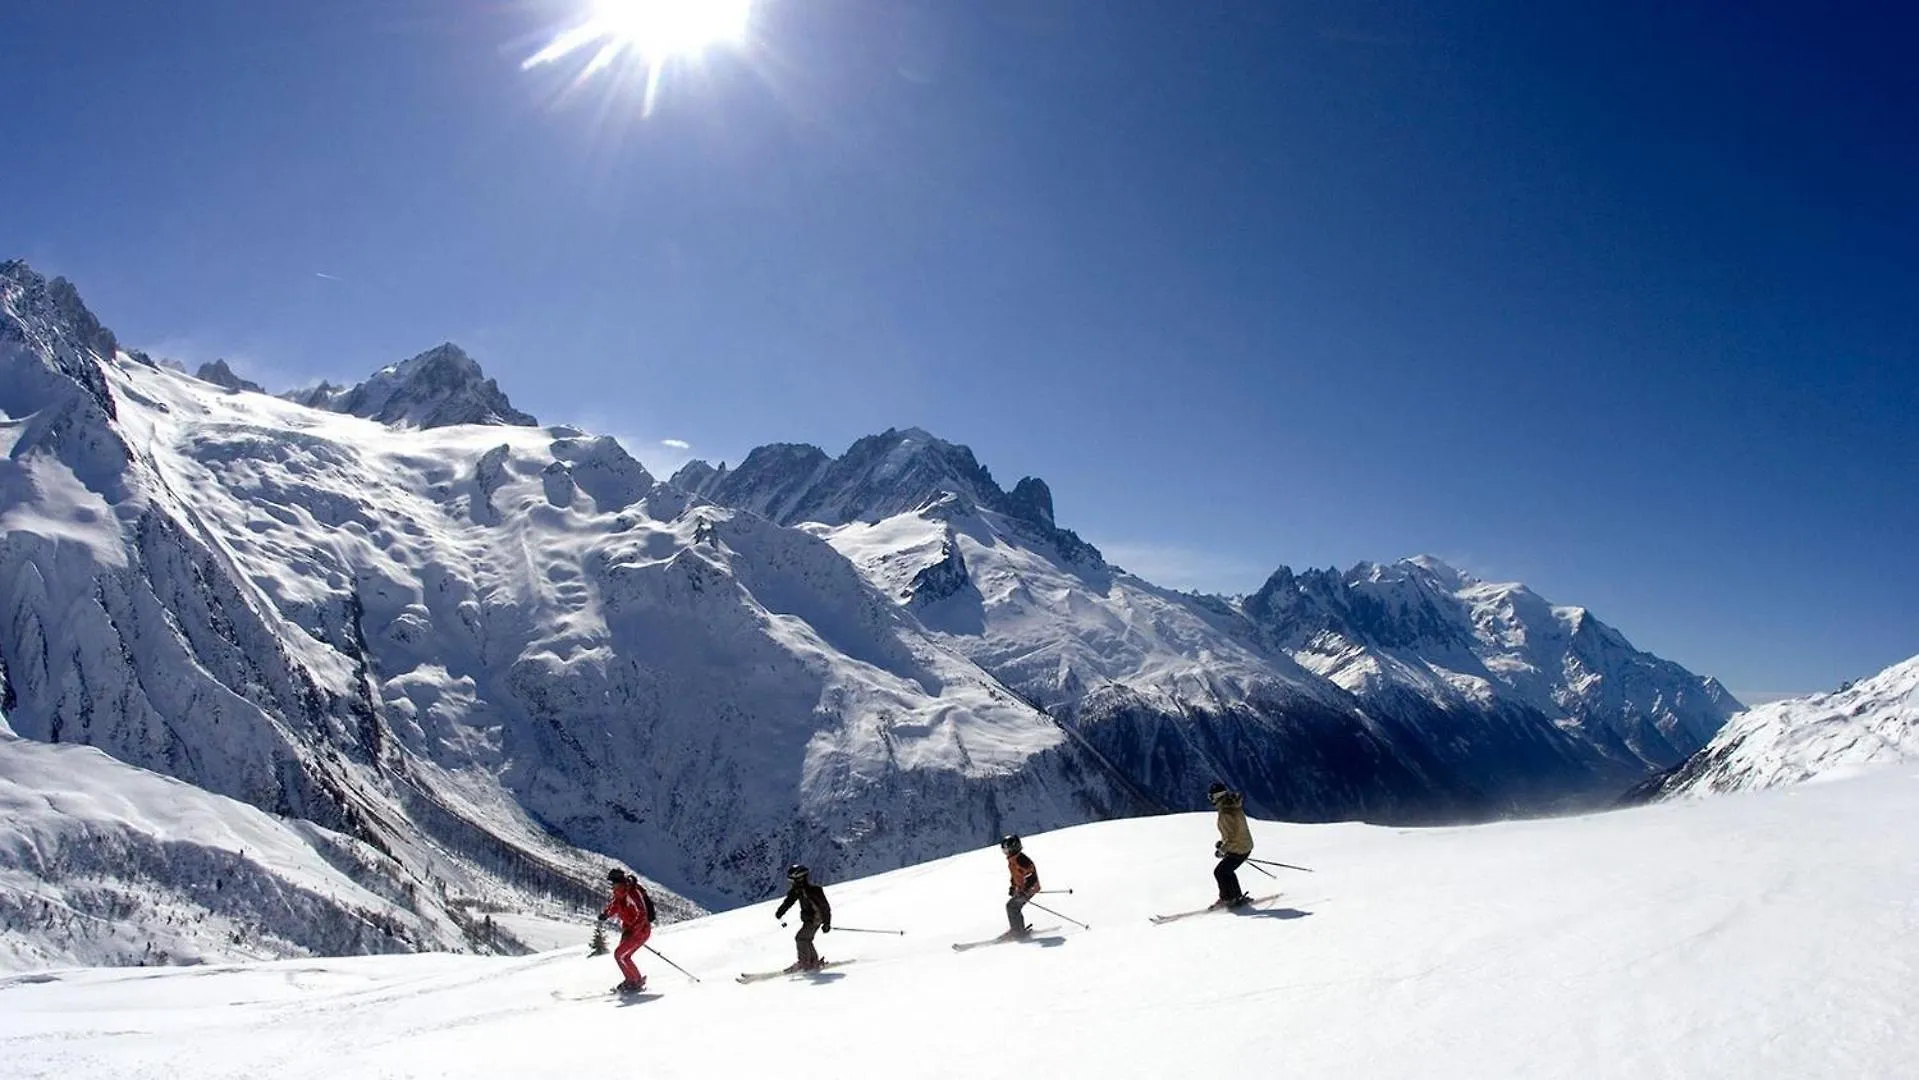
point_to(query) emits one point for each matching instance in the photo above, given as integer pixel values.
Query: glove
(827, 929)
(1012, 890)
(601, 921)
(1219, 849)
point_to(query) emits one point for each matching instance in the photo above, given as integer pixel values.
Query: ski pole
(1057, 915)
(1053, 892)
(1288, 866)
(858, 930)
(672, 965)
(1262, 869)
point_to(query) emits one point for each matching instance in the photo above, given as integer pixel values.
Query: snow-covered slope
(1394, 690)
(1873, 722)
(103, 863)
(1762, 935)
(499, 645)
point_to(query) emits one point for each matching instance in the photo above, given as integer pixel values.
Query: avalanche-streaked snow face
(1826, 736)
(503, 641)
(1761, 935)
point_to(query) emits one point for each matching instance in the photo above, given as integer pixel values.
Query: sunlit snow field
(1767, 934)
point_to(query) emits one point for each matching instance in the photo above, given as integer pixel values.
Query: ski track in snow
(1773, 934)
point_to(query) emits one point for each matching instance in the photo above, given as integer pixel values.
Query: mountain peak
(53, 306)
(54, 357)
(898, 471)
(440, 387)
(1453, 577)
(219, 374)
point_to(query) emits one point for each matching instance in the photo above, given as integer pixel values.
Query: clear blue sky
(1620, 299)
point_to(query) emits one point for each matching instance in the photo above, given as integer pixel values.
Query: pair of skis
(1003, 939)
(761, 976)
(623, 996)
(1212, 908)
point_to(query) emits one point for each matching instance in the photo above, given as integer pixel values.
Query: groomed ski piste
(1767, 934)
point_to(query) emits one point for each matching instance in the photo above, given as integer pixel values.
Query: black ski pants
(1228, 880)
(809, 956)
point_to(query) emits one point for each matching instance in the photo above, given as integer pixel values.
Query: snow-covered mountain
(1762, 935)
(1872, 722)
(499, 653)
(484, 649)
(1419, 631)
(1390, 691)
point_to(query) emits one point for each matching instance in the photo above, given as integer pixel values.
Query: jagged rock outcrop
(879, 476)
(440, 387)
(219, 374)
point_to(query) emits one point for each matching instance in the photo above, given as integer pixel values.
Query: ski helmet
(796, 872)
(1010, 844)
(616, 875)
(1213, 793)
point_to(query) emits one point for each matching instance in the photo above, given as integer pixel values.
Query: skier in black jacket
(815, 914)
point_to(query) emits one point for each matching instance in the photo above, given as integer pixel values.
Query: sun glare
(651, 33)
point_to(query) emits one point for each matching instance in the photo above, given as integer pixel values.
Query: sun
(652, 33)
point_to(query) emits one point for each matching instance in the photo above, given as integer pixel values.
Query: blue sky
(1621, 300)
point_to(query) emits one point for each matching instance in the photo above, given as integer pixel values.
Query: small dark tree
(597, 947)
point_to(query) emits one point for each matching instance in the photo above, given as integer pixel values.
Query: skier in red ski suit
(634, 908)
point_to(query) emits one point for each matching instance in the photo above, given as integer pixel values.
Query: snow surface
(1773, 934)
(1874, 722)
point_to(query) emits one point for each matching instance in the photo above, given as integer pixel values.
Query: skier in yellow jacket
(1234, 846)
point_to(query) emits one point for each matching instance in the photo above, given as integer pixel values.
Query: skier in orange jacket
(1024, 886)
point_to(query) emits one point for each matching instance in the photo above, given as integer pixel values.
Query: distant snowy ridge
(1402, 690)
(1463, 644)
(1873, 722)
